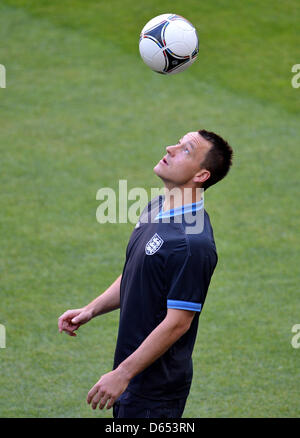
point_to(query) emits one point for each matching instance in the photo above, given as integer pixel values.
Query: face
(181, 166)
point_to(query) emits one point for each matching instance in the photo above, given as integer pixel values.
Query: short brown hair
(218, 159)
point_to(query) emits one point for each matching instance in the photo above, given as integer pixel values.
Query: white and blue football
(169, 44)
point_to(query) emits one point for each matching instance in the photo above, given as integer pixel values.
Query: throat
(176, 197)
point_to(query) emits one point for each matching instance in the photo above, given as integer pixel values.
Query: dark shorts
(130, 405)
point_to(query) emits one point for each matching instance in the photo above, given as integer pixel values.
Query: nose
(171, 150)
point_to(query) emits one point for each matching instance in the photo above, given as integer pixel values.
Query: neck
(178, 196)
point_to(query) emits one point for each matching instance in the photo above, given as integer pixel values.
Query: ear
(201, 176)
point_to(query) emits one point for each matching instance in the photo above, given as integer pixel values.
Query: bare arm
(176, 323)
(113, 384)
(71, 320)
(106, 302)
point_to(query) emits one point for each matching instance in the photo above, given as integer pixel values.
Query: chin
(156, 170)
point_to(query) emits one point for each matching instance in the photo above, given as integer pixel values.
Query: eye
(186, 151)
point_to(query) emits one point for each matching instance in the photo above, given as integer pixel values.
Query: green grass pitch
(81, 111)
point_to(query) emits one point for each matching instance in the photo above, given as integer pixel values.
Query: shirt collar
(183, 209)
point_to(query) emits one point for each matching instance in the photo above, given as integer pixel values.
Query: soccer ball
(169, 44)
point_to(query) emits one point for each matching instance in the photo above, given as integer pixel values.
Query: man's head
(199, 159)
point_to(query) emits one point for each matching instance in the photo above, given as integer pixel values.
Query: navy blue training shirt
(167, 266)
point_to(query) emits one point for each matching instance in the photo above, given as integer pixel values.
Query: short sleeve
(188, 271)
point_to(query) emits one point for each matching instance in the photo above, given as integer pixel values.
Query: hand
(71, 320)
(108, 389)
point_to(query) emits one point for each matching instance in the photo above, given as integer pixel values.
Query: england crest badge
(154, 244)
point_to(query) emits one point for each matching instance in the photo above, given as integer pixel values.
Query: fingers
(91, 393)
(70, 328)
(79, 319)
(61, 320)
(104, 400)
(76, 319)
(110, 403)
(97, 395)
(65, 323)
(82, 317)
(106, 391)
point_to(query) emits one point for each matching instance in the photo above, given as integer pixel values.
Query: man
(162, 289)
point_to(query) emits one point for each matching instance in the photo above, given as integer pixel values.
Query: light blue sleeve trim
(184, 305)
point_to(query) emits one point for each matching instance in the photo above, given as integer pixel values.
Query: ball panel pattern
(152, 54)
